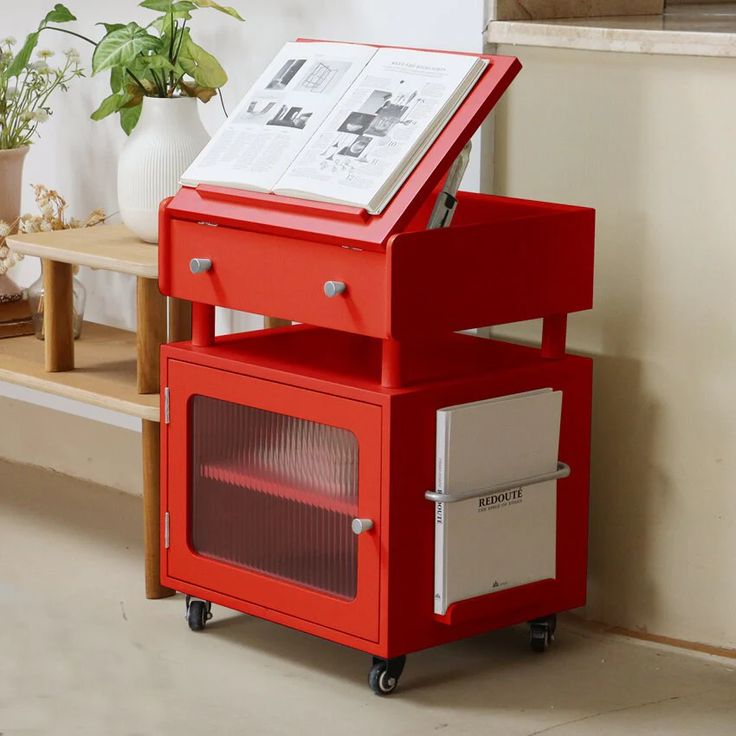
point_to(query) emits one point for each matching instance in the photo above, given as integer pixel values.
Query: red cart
(299, 462)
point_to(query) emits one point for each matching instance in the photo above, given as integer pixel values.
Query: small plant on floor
(156, 60)
(26, 85)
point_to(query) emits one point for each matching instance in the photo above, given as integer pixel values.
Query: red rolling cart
(298, 464)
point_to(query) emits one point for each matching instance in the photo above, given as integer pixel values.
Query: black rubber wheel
(197, 615)
(380, 681)
(542, 632)
(539, 638)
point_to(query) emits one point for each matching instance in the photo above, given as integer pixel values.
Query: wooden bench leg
(152, 510)
(151, 333)
(58, 316)
(180, 320)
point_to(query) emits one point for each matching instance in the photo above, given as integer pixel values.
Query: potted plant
(157, 74)
(26, 86)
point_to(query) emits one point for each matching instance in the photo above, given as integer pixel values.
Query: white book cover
(505, 539)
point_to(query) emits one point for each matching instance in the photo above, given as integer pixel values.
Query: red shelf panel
(275, 486)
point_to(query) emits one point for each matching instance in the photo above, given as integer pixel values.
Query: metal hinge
(167, 411)
(166, 530)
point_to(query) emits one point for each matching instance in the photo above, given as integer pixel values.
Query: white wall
(649, 142)
(78, 157)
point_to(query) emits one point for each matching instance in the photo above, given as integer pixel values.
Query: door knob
(200, 265)
(333, 288)
(361, 525)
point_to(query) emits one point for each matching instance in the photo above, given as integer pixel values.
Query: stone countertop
(683, 30)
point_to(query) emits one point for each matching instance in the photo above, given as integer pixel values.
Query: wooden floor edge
(692, 646)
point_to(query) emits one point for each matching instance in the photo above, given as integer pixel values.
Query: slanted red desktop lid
(342, 225)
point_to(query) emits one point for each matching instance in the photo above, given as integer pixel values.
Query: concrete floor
(82, 652)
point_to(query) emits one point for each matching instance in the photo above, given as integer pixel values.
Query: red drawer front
(276, 276)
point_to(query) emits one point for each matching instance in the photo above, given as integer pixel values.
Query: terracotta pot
(11, 177)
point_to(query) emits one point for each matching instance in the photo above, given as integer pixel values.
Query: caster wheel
(539, 638)
(198, 614)
(384, 675)
(542, 633)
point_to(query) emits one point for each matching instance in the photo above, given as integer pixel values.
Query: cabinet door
(264, 481)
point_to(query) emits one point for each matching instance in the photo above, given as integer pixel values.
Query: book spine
(440, 590)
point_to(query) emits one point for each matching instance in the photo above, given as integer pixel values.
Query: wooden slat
(105, 372)
(58, 318)
(110, 247)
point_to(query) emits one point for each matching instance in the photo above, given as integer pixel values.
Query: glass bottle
(36, 302)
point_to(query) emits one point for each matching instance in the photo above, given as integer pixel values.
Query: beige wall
(73, 445)
(650, 142)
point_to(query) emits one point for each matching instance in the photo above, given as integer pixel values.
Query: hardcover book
(503, 539)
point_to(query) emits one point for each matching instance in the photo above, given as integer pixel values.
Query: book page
(395, 106)
(278, 115)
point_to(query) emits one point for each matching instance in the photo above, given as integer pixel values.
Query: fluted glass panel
(275, 494)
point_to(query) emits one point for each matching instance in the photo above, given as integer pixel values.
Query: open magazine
(337, 122)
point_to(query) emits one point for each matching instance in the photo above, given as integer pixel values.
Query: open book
(337, 122)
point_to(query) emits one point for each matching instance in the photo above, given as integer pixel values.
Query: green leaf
(182, 13)
(162, 6)
(142, 71)
(129, 118)
(159, 61)
(116, 78)
(163, 25)
(216, 6)
(201, 65)
(60, 14)
(121, 46)
(20, 62)
(110, 105)
(110, 27)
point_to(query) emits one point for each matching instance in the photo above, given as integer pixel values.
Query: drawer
(277, 276)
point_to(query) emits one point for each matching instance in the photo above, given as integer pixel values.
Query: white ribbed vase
(166, 140)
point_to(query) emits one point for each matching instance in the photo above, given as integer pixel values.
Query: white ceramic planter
(166, 140)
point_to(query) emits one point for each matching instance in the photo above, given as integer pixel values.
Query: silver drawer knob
(333, 288)
(361, 525)
(200, 265)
